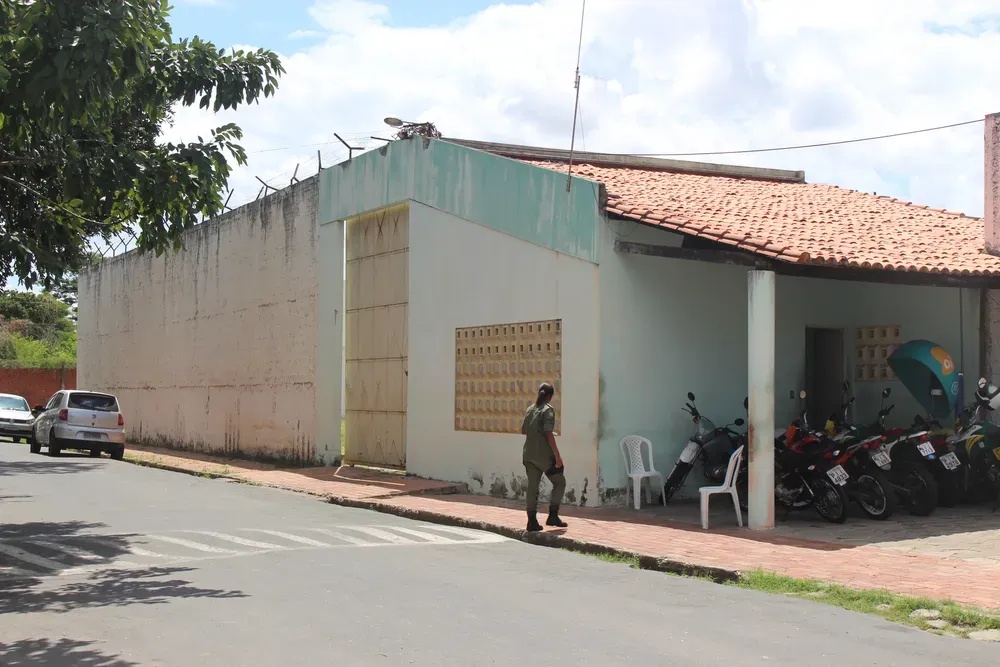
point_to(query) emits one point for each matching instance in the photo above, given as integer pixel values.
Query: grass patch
(619, 559)
(938, 616)
(961, 620)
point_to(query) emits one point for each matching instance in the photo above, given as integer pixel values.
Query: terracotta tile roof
(804, 223)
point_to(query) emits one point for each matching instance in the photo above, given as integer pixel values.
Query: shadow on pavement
(48, 466)
(57, 653)
(50, 529)
(106, 588)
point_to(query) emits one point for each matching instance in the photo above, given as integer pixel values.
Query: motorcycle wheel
(921, 495)
(876, 497)
(830, 500)
(676, 480)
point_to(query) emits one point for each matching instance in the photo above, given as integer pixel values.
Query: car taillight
(121, 419)
(63, 415)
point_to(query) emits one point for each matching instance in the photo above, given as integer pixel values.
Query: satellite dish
(393, 122)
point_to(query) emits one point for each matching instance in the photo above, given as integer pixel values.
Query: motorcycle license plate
(950, 461)
(838, 475)
(925, 448)
(881, 459)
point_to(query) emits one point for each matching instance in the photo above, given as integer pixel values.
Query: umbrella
(928, 372)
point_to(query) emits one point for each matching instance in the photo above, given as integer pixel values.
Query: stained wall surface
(214, 348)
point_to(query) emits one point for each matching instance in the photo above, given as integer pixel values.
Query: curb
(551, 540)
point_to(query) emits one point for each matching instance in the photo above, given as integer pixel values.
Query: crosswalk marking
(429, 537)
(237, 540)
(76, 552)
(382, 534)
(350, 539)
(197, 546)
(31, 556)
(28, 557)
(130, 548)
(464, 532)
(308, 541)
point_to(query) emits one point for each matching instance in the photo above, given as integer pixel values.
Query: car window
(15, 403)
(96, 402)
(53, 402)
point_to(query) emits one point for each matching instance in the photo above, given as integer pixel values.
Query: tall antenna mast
(576, 102)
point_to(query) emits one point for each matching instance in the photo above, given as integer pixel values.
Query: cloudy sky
(659, 76)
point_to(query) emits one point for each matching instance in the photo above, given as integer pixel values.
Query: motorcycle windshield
(706, 429)
(922, 367)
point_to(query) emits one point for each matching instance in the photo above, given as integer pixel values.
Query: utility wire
(819, 145)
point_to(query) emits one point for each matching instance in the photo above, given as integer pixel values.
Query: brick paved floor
(860, 554)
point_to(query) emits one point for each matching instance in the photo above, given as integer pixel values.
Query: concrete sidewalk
(663, 543)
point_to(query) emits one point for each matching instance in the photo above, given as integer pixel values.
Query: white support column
(760, 435)
(330, 340)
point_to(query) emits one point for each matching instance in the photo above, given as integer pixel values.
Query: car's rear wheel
(54, 449)
(33, 445)
(17, 441)
(118, 454)
(95, 453)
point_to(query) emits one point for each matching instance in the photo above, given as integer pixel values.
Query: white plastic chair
(727, 486)
(635, 467)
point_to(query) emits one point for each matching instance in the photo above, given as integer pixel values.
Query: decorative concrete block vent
(873, 347)
(498, 368)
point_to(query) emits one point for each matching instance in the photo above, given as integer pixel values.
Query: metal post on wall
(760, 433)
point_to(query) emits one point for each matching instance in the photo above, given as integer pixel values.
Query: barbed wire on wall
(126, 240)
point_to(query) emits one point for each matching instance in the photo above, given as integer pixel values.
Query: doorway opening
(826, 370)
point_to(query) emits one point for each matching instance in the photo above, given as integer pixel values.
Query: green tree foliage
(35, 330)
(85, 88)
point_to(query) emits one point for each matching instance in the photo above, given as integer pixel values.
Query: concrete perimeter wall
(213, 348)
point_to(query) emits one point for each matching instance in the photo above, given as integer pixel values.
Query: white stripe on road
(378, 533)
(197, 546)
(10, 571)
(469, 533)
(130, 548)
(75, 552)
(428, 537)
(350, 539)
(308, 541)
(237, 540)
(28, 557)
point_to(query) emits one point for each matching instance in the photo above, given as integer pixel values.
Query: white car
(74, 419)
(15, 417)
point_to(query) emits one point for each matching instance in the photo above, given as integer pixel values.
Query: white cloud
(659, 76)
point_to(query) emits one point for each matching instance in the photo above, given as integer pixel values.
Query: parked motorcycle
(977, 445)
(866, 484)
(889, 458)
(929, 374)
(707, 438)
(803, 474)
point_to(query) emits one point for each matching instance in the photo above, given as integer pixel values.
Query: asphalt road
(106, 564)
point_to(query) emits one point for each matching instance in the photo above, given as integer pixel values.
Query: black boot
(554, 519)
(533, 525)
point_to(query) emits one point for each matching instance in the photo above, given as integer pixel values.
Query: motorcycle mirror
(886, 392)
(982, 383)
(746, 403)
(802, 394)
(690, 396)
(739, 421)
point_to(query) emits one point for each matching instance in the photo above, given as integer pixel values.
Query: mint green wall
(527, 202)
(671, 326)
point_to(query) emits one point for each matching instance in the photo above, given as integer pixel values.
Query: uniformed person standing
(541, 457)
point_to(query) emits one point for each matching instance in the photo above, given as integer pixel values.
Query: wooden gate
(376, 328)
